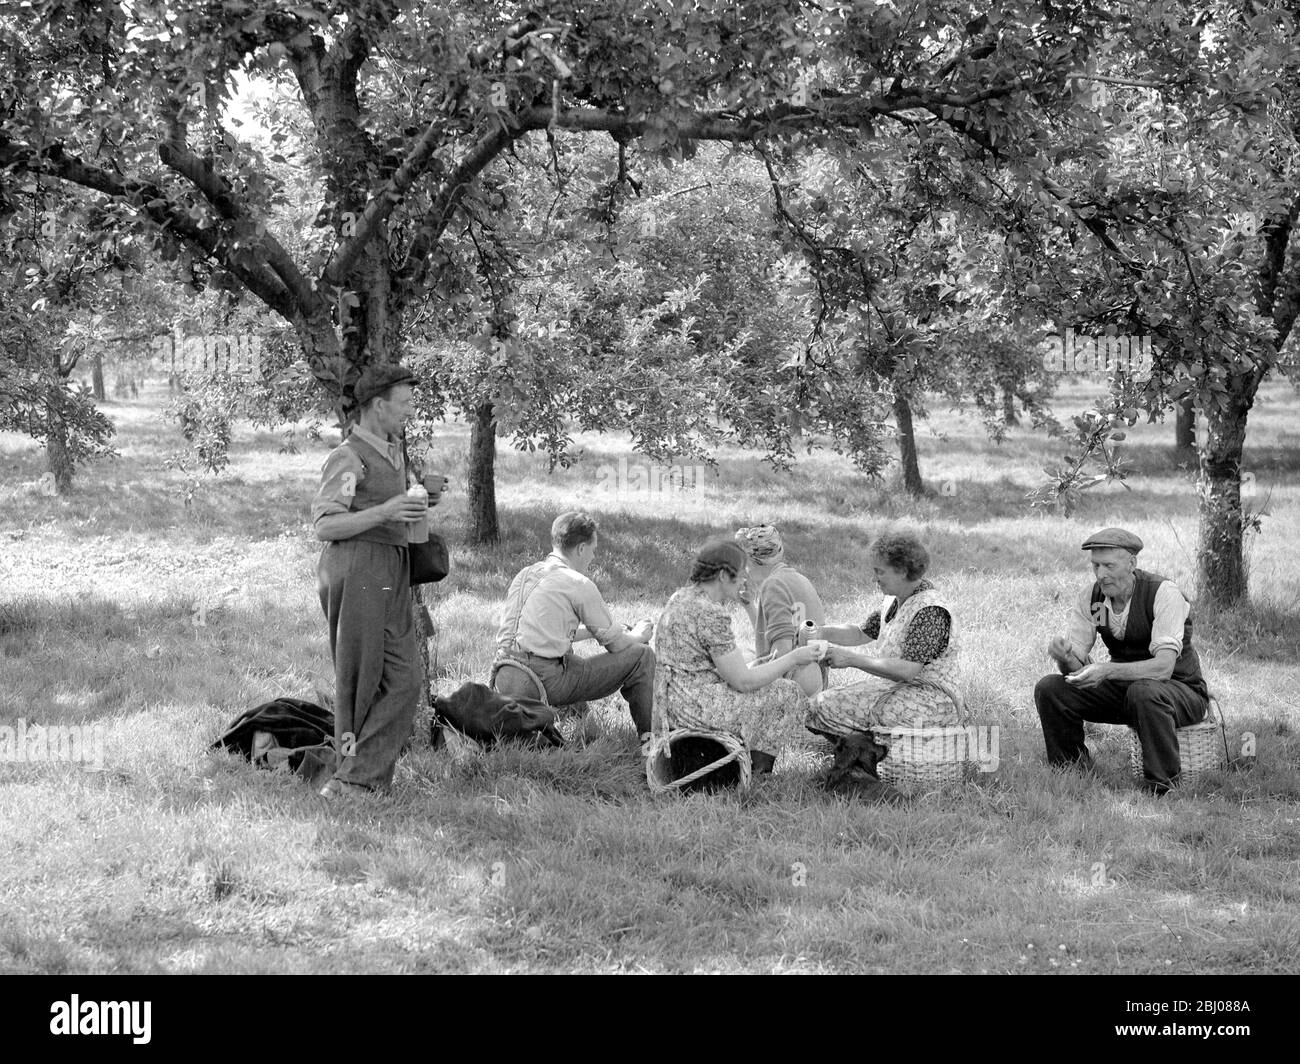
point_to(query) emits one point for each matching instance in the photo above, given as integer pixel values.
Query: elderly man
(366, 517)
(553, 603)
(1153, 681)
(779, 599)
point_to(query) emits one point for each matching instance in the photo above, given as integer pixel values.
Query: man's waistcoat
(1135, 645)
(379, 483)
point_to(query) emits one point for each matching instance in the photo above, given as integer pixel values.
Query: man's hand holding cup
(435, 484)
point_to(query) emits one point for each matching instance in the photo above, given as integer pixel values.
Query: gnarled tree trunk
(1221, 576)
(97, 375)
(1009, 416)
(483, 527)
(907, 445)
(1185, 432)
(57, 456)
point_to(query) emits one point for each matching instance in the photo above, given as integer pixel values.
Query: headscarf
(762, 543)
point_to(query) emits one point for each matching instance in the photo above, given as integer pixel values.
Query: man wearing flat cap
(366, 517)
(1153, 680)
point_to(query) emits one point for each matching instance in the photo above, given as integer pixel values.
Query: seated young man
(552, 604)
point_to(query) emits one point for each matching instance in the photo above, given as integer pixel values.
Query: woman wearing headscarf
(702, 680)
(781, 598)
(912, 678)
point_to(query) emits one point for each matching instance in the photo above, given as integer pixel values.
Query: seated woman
(780, 598)
(912, 677)
(701, 678)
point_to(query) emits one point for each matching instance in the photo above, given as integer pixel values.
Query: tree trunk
(97, 375)
(426, 636)
(483, 527)
(1009, 416)
(1221, 578)
(907, 445)
(57, 457)
(1185, 432)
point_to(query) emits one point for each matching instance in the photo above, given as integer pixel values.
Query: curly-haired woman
(912, 677)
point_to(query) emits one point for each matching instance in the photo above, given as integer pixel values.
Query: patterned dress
(692, 633)
(923, 630)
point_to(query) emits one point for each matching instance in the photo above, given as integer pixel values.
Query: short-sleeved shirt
(545, 606)
(1169, 610)
(926, 637)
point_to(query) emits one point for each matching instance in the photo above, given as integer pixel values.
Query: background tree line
(690, 219)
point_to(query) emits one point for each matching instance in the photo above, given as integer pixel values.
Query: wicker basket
(927, 755)
(1202, 747)
(659, 765)
(519, 666)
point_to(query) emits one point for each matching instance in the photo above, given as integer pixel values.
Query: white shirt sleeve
(1170, 611)
(1080, 631)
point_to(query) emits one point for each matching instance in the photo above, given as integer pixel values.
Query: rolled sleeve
(1170, 610)
(594, 615)
(1080, 631)
(340, 475)
(871, 626)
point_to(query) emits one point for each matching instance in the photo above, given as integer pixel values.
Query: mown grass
(121, 606)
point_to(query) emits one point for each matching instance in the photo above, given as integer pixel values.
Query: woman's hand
(804, 655)
(843, 658)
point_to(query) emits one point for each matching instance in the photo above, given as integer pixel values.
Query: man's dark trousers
(365, 591)
(570, 679)
(1155, 709)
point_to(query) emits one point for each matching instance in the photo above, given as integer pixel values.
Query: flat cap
(1113, 537)
(379, 377)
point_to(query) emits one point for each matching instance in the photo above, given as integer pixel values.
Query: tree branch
(448, 194)
(216, 190)
(151, 201)
(383, 203)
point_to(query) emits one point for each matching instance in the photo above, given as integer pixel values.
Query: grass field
(123, 608)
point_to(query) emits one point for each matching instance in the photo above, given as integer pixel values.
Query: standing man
(366, 517)
(553, 603)
(1153, 681)
(779, 600)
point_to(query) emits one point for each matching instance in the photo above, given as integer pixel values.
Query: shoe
(1156, 790)
(760, 761)
(338, 789)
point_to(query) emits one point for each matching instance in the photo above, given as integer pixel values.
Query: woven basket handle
(729, 757)
(1213, 708)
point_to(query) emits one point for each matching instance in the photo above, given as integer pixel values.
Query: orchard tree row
(897, 191)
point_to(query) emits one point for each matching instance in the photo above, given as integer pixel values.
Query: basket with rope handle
(514, 663)
(659, 764)
(1202, 747)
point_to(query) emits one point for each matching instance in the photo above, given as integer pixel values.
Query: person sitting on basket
(779, 600)
(552, 604)
(702, 681)
(1153, 681)
(912, 674)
